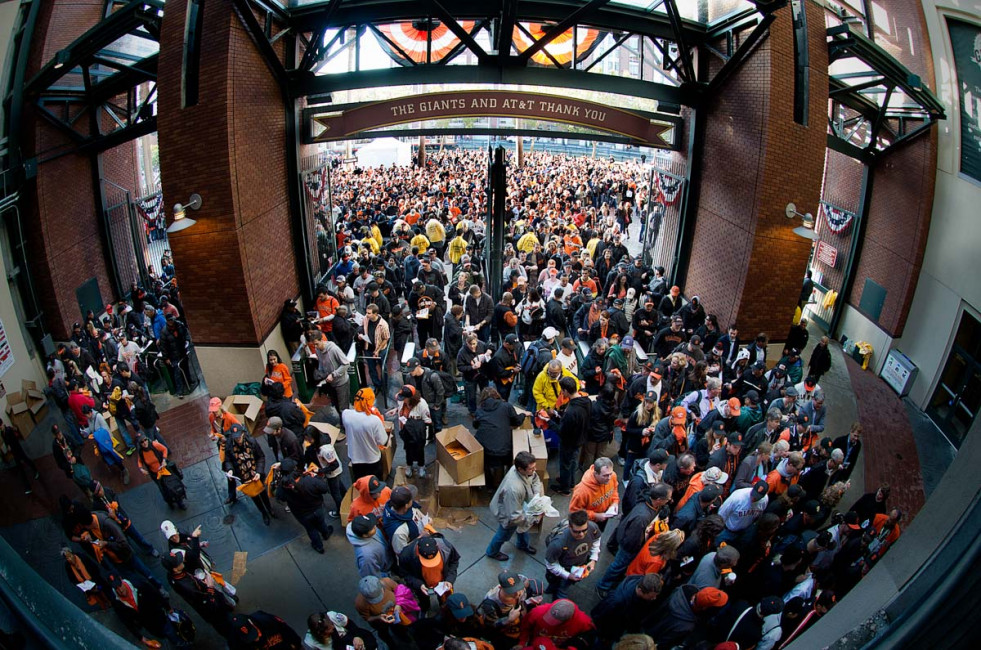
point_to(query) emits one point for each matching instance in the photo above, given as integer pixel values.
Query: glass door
(957, 398)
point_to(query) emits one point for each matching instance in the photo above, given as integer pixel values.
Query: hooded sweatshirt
(778, 480)
(371, 553)
(592, 497)
(400, 529)
(365, 503)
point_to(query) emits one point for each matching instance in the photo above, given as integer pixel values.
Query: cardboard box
(526, 440)
(246, 408)
(451, 494)
(460, 453)
(19, 414)
(329, 430)
(345, 508)
(35, 399)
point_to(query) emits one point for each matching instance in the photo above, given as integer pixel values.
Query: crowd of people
(697, 462)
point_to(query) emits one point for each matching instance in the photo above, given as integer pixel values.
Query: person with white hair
(816, 478)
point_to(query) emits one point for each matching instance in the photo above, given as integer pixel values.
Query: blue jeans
(557, 586)
(136, 565)
(733, 537)
(616, 570)
(504, 534)
(376, 372)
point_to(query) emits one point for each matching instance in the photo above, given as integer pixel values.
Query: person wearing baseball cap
(504, 367)
(373, 494)
(747, 626)
(712, 475)
(743, 507)
(645, 323)
(503, 609)
(246, 462)
(685, 609)
(559, 622)
(429, 565)
(669, 337)
(375, 603)
(372, 552)
(220, 421)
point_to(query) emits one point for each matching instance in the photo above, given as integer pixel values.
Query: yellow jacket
(458, 246)
(527, 242)
(372, 244)
(435, 231)
(421, 241)
(376, 234)
(591, 246)
(546, 390)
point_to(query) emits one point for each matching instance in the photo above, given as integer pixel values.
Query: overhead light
(322, 98)
(806, 229)
(61, 58)
(181, 220)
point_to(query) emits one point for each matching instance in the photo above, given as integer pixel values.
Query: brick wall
(897, 229)
(64, 243)
(842, 188)
(746, 264)
(237, 262)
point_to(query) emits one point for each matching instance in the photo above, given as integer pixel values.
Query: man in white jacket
(741, 509)
(364, 434)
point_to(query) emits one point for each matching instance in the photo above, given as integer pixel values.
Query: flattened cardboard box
(451, 494)
(449, 442)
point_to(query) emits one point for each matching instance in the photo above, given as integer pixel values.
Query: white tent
(384, 151)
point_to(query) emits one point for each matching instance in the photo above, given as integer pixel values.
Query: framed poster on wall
(965, 41)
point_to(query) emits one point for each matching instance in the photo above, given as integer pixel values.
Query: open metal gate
(321, 238)
(660, 238)
(137, 235)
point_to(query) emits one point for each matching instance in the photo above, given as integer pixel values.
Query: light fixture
(61, 58)
(181, 220)
(806, 229)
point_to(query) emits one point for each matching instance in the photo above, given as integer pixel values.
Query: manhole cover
(228, 520)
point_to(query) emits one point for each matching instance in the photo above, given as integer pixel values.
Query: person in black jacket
(626, 608)
(504, 367)
(342, 332)
(453, 337)
(291, 324)
(261, 631)
(304, 494)
(173, 344)
(470, 362)
(820, 362)
(212, 604)
(430, 387)
(428, 553)
(572, 427)
(335, 630)
(142, 608)
(245, 460)
(494, 421)
(282, 440)
(602, 414)
(555, 311)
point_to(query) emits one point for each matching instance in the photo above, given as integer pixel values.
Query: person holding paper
(598, 493)
(572, 555)
(428, 565)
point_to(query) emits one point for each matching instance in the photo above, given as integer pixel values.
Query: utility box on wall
(899, 372)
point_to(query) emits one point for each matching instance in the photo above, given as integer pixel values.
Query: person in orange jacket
(372, 497)
(598, 493)
(786, 474)
(221, 421)
(699, 481)
(886, 532)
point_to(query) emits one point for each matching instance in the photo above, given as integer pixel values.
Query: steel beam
(258, 36)
(581, 13)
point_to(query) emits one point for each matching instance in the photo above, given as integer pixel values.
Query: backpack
(556, 532)
(529, 359)
(449, 383)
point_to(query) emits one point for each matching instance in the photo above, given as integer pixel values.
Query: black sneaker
(530, 550)
(500, 557)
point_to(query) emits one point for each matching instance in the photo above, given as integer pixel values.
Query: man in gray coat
(332, 368)
(520, 485)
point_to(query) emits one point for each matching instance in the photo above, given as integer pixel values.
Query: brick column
(65, 244)
(746, 264)
(236, 265)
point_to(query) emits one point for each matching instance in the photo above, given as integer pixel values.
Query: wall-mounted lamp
(806, 229)
(61, 58)
(181, 220)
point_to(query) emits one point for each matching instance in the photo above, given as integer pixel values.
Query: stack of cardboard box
(460, 467)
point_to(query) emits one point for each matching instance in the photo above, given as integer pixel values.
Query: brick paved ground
(888, 444)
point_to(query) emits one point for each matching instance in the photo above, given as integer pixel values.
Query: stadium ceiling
(679, 51)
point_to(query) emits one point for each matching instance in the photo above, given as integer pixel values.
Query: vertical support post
(301, 242)
(422, 151)
(495, 248)
(689, 198)
(521, 150)
(858, 239)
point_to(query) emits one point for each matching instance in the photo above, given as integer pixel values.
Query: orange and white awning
(561, 48)
(413, 39)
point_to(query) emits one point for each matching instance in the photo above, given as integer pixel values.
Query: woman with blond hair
(639, 430)
(657, 553)
(635, 642)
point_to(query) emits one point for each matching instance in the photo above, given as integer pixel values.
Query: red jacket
(76, 400)
(533, 626)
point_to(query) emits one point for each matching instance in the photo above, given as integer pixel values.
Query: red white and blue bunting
(150, 207)
(668, 187)
(838, 219)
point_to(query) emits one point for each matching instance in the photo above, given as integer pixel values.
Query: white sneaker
(422, 471)
(408, 471)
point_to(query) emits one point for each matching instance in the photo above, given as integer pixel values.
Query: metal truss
(877, 104)
(667, 53)
(97, 96)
